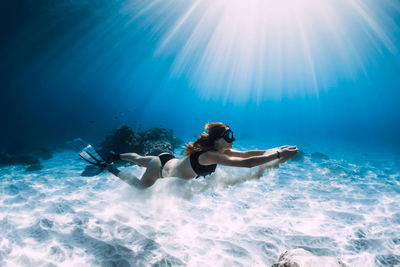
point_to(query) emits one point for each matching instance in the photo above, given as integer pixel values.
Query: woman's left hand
(287, 146)
(288, 152)
(274, 150)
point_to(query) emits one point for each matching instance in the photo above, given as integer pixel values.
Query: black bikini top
(201, 170)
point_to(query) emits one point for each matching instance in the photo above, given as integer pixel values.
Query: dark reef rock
(156, 148)
(122, 140)
(151, 142)
(161, 134)
(9, 159)
(302, 258)
(20, 153)
(34, 167)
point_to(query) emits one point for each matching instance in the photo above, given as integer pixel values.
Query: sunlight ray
(241, 50)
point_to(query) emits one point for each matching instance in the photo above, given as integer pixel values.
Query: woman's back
(179, 168)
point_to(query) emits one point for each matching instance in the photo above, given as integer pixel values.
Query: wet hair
(205, 141)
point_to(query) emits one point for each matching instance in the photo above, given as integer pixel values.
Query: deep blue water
(312, 71)
(320, 75)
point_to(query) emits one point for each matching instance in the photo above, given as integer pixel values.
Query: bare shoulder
(210, 157)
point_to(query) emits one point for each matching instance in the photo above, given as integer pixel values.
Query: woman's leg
(125, 176)
(152, 172)
(149, 177)
(136, 158)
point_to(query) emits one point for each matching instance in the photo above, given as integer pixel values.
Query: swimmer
(201, 158)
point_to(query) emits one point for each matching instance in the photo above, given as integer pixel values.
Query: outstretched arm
(247, 154)
(223, 159)
(252, 153)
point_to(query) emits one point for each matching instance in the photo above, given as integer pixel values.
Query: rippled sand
(329, 205)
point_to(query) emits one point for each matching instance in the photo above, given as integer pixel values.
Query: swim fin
(98, 163)
(91, 155)
(92, 170)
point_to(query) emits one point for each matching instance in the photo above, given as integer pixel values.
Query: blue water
(320, 75)
(307, 70)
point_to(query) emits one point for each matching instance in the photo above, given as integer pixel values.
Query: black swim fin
(98, 163)
(92, 156)
(92, 170)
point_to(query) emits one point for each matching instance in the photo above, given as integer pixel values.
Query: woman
(201, 158)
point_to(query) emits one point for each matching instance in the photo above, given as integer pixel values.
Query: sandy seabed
(327, 204)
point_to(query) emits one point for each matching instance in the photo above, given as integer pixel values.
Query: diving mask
(228, 136)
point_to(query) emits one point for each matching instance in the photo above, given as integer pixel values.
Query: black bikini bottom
(164, 158)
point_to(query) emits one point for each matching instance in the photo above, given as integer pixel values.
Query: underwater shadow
(113, 253)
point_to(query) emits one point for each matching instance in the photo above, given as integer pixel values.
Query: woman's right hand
(288, 151)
